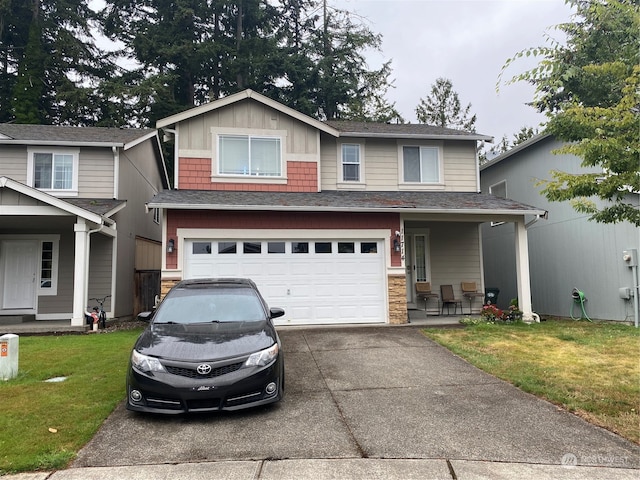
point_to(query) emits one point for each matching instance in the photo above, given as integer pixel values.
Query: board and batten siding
(13, 162)
(381, 164)
(248, 115)
(95, 173)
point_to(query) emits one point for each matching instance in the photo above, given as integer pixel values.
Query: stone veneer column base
(397, 299)
(166, 284)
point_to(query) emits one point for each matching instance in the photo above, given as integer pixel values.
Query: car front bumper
(170, 394)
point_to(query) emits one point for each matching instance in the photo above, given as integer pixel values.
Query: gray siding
(139, 182)
(565, 251)
(95, 173)
(13, 162)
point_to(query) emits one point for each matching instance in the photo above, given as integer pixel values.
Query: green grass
(590, 369)
(43, 425)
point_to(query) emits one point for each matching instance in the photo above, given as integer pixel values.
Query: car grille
(192, 373)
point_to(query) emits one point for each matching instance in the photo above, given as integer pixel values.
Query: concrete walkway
(363, 403)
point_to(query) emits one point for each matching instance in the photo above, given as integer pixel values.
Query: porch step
(13, 319)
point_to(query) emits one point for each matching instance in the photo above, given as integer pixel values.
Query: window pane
(430, 166)
(42, 170)
(251, 247)
(234, 155)
(323, 247)
(411, 164)
(300, 247)
(368, 247)
(265, 156)
(499, 190)
(350, 163)
(226, 247)
(46, 265)
(201, 248)
(63, 176)
(275, 247)
(346, 247)
(351, 173)
(350, 153)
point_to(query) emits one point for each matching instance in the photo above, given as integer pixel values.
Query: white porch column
(522, 273)
(80, 272)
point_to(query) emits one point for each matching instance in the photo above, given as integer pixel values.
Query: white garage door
(316, 282)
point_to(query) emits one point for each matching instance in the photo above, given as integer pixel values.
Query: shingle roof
(99, 206)
(17, 133)
(417, 202)
(401, 130)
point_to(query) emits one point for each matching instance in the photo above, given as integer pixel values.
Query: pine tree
(442, 108)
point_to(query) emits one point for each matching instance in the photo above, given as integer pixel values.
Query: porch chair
(448, 299)
(423, 290)
(470, 291)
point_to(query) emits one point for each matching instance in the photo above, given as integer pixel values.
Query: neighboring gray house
(566, 250)
(73, 222)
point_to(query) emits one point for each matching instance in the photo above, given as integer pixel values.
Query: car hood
(205, 342)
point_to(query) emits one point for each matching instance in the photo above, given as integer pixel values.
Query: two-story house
(334, 221)
(567, 250)
(73, 220)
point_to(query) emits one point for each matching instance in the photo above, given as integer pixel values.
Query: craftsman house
(73, 221)
(334, 221)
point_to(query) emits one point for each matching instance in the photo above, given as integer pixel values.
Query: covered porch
(55, 254)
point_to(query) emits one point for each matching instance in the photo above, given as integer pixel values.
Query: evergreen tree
(49, 62)
(442, 108)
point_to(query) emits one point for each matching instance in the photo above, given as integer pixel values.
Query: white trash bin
(9, 347)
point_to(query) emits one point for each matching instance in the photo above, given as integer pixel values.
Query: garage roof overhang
(438, 203)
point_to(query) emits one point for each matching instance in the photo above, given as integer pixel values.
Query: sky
(468, 42)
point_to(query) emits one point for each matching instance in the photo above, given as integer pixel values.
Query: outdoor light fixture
(171, 245)
(396, 242)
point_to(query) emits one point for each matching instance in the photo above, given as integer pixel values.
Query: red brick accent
(195, 174)
(279, 220)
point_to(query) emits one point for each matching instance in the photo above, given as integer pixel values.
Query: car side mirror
(145, 316)
(276, 312)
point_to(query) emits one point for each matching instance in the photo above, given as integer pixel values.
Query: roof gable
(237, 97)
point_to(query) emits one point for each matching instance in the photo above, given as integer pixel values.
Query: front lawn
(590, 369)
(44, 424)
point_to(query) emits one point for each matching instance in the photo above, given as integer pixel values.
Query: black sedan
(210, 345)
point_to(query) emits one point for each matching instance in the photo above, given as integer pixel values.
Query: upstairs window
(249, 155)
(350, 162)
(53, 171)
(421, 164)
(499, 189)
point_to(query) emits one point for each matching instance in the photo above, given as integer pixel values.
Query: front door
(20, 274)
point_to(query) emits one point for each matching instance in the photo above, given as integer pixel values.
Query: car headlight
(263, 357)
(145, 363)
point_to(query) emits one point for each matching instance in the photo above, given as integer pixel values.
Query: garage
(323, 281)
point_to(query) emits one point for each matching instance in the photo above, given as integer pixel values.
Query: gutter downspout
(116, 171)
(176, 159)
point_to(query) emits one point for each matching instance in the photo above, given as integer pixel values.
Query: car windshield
(210, 305)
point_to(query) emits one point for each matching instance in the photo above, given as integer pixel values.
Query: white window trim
(438, 185)
(350, 184)
(227, 178)
(74, 152)
(491, 187)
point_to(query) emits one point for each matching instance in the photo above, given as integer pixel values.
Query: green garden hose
(579, 297)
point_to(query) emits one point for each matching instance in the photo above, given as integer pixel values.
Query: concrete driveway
(373, 393)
